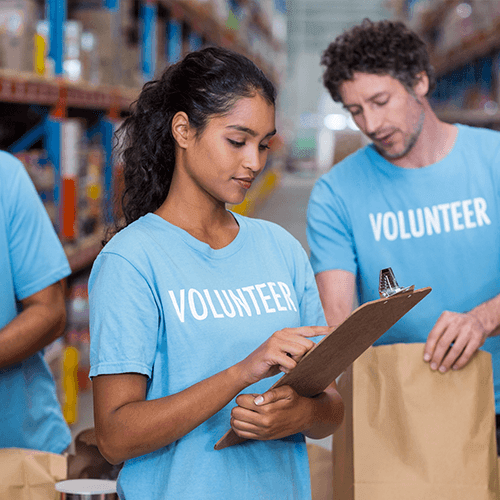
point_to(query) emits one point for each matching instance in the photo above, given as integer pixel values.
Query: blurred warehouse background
(70, 69)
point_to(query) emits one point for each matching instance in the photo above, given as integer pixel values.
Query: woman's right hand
(280, 352)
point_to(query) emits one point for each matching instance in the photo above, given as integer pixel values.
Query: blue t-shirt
(31, 259)
(436, 226)
(168, 306)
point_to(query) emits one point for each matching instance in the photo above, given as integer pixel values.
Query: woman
(192, 305)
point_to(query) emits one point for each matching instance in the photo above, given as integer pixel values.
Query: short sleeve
(124, 318)
(329, 232)
(36, 254)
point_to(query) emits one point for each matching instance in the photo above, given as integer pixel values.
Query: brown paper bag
(30, 474)
(413, 434)
(320, 467)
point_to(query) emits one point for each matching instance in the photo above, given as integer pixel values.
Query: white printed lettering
(432, 220)
(416, 233)
(179, 310)
(376, 225)
(456, 215)
(287, 295)
(249, 289)
(265, 298)
(276, 296)
(231, 313)
(402, 229)
(453, 216)
(480, 208)
(446, 221)
(390, 217)
(192, 306)
(211, 305)
(240, 302)
(468, 213)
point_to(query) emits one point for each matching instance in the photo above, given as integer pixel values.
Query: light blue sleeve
(329, 232)
(36, 254)
(124, 318)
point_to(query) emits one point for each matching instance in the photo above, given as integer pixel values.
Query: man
(32, 315)
(422, 199)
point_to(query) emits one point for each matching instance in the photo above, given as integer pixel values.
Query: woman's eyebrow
(249, 131)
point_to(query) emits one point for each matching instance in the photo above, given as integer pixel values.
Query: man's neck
(434, 143)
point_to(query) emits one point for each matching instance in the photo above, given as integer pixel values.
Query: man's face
(386, 111)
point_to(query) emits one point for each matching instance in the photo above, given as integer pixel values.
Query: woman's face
(222, 163)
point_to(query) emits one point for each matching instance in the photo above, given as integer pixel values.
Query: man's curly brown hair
(382, 48)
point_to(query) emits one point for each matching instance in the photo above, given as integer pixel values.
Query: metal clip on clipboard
(388, 286)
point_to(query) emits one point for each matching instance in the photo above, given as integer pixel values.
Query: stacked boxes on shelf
(42, 174)
(17, 33)
(464, 42)
(105, 27)
(105, 39)
(82, 206)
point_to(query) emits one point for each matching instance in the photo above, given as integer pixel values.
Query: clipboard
(338, 349)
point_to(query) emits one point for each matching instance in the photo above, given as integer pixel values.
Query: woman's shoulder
(264, 226)
(130, 241)
(270, 231)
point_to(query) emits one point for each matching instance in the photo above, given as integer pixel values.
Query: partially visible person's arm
(457, 336)
(337, 291)
(41, 322)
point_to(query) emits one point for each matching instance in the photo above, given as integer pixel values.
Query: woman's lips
(246, 183)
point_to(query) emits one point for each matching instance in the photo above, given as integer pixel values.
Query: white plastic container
(87, 489)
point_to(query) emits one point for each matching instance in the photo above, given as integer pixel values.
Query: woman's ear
(180, 129)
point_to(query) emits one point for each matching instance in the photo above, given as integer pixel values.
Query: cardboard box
(105, 25)
(30, 474)
(17, 34)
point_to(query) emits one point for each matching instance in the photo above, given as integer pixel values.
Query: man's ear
(181, 129)
(421, 86)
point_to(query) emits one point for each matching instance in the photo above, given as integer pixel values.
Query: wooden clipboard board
(338, 349)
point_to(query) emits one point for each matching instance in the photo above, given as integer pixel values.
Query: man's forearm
(488, 313)
(41, 322)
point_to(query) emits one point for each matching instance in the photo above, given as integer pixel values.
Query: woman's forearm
(327, 413)
(140, 427)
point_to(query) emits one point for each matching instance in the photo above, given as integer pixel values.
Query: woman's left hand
(277, 413)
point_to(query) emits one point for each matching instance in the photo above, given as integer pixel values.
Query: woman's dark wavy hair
(204, 84)
(382, 48)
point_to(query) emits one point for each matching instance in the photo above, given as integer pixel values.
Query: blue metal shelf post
(57, 17)
(148, 15)
(105, 129)
(174, 37)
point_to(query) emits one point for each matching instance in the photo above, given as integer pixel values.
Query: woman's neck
(206, 221)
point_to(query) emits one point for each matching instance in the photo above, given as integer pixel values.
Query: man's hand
(453, 340)
(278, 413)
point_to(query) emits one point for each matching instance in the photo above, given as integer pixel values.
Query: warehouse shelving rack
(56, 98)
(468, 73)
(54, 101)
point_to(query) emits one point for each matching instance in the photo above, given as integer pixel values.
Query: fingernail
(434, 366)
(455, 367)
(442, 369)
(427, 357)
(258, 400)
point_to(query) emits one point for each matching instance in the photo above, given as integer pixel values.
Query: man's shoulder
(10, 166)
(262, 229)
(479, 134)
(349, 172)
(350, 165)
